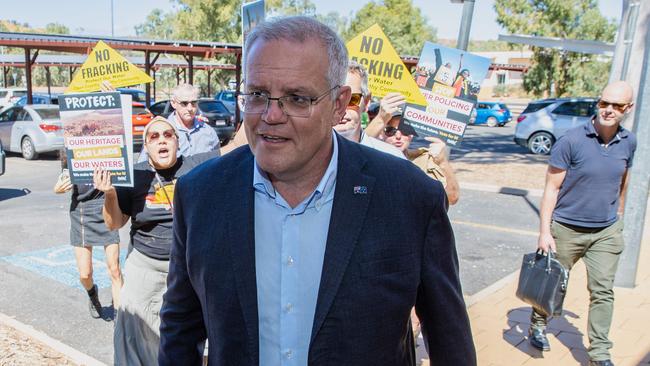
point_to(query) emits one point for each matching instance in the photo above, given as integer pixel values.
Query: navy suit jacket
(387, 250)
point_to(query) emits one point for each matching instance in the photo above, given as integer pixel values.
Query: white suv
(544, 121)
(9, 96)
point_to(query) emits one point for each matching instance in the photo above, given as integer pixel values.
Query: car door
(569, 114)
(7, 121)
(482, 111)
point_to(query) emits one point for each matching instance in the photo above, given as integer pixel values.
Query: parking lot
(37, 269)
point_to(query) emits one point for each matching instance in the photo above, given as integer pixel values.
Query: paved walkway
(500, 323)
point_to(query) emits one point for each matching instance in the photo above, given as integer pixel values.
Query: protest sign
(386, 71)
(104, 63)
(450, 80)
(97, 133)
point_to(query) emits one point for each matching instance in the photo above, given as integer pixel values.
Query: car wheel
(492, 122)
(540, 143)
(27, 149)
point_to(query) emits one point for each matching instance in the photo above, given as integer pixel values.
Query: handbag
(542, 283)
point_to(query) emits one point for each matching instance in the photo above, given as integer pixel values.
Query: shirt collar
(181, 127)
(323, 192)
(590, 130)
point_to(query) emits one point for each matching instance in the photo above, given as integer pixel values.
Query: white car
(9, 96)
(31, 129)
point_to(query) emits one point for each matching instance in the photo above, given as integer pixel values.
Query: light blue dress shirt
(289, 251)
(191, 141)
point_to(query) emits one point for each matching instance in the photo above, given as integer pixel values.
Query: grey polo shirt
(589, 194)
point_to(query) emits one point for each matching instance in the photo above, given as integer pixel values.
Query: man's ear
(629, 108)
(341, 103)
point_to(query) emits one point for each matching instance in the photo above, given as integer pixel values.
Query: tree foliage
(402, 22)
(556, 72)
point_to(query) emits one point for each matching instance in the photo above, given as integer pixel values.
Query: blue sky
(94, 16)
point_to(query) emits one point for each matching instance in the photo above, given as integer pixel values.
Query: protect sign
(386, 71)
(105, 64)
(450, 81)
(97, 134)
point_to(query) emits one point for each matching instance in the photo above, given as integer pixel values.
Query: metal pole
(636, 198)
(628, 37)
(112, 20)
(28, 74)
(465, 25)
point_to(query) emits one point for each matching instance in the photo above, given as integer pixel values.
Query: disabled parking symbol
(58, 263)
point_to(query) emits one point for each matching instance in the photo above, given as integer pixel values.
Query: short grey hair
(358, 69)
(184, 87)
(301, 29)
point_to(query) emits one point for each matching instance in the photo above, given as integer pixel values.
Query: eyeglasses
(355, 100)
(390, 131)
(291, 105)
(185, 103)
(155, 136)
(619, 107)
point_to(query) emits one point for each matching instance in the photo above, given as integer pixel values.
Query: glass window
(24, 116)
(574, 109)
(48, 113)
(212, 107)
(3, 94)
(482, 106)
(8, 115)
(534, 107)
(19, 93)
(158, 109)
(138, 110)
(228, 96)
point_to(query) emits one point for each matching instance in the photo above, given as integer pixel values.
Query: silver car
(544, 121)
(31, 129)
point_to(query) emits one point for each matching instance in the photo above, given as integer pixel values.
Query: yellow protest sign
(386, 71)
(104, 63)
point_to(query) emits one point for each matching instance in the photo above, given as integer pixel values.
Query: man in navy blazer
(304, 248)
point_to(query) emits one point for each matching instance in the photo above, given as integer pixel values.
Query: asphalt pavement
(37, 270)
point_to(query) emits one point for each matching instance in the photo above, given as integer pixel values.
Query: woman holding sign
(87, 230)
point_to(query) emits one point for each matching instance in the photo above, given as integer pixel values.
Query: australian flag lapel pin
(360, 190)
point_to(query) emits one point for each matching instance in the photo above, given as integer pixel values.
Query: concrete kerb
(71, 353)
(505, 281)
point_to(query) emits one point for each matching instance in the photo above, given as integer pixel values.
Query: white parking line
(496, 228)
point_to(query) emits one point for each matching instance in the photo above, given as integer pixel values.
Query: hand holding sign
(391, 103)
(102, 180)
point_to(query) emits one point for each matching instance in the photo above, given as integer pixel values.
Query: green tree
(402, 22)
(557, 72)
(157, 25)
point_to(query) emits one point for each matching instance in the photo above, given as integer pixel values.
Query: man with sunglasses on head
(580, 213)
(350, 125)
(149, 206)
(280, 256)
(195, 136)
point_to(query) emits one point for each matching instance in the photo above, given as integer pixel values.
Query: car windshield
(228, 96)
(138, 110)
(534, 107)
(19, 93)
(502, 106)
(211, 106)
(48, 113)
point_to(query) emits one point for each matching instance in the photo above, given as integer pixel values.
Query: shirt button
(290, 261)
(288, 354)
(288, 307)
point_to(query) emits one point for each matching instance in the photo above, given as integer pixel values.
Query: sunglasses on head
(355, 100)
(620, 107)
(185, 103)
(155, 136)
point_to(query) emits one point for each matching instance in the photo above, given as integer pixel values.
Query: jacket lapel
(351, 198)
(241, 240)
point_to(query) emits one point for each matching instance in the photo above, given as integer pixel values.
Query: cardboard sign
(386, 71)
(97, 134)
(104, 63)
(450, 80)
